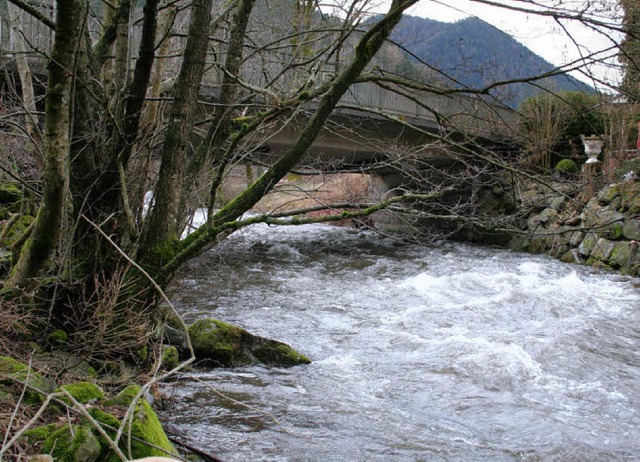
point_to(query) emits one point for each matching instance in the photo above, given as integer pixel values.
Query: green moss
(84, 391)
(217, 341)
(617, 232)
(238, 122)
(82, 442)
(9, 193)
(145, 427)
(104, 417)
(57, 337)
(228, 345)
(280, 354)
(9, 366)
(607, 194)
(66, 443)
(39, 434)
(170, 357)
(20, 372)
(165, 251)
(567, 166)
(125, 397)
(142, 354)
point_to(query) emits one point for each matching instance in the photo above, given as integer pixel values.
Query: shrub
(551, 124)
(567, 166)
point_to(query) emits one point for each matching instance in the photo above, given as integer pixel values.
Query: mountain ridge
(472, 53)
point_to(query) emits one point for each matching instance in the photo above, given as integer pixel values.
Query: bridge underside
(349, 142)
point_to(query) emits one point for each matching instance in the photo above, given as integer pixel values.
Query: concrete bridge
(371, 120)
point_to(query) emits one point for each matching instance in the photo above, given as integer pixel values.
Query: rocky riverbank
(583, 218)
(64, 402)
(603, 232)
(69, 411)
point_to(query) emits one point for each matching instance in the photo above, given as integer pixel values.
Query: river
(442, 353)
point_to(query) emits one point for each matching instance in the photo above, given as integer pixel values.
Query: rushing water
(451, 353)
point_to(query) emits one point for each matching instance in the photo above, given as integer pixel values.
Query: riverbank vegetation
(138, 128)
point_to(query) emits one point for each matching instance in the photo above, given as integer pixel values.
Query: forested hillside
(472, 53)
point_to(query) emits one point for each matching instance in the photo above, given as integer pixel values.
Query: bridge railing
(465, 113)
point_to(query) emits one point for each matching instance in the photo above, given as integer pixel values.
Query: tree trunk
(26, 80)
(48, 225)
(164, 47)
(161, 227)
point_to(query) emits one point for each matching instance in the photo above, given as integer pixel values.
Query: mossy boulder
(82, 442)
(631, 230)
(148, 437)
(630, 193)
(622, 254)
(74, 365)
(57, 338)
(519, 243)
(576, 238)
(10, 193)
(18, 373)
(228, 345)
(604, 220)
(587, 244)
(603, 249)
(170, 357)
(75, 443)
(571, 256)
(607, 194)
(84, 392)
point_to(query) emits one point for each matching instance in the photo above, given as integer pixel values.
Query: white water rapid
(452, 353)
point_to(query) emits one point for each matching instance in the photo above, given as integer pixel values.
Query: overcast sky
(543, 35)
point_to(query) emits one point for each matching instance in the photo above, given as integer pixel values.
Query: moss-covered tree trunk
(629, 53)
(161, 228)
(366, 49)
(210, 151)
(48, 225)
(101, 149)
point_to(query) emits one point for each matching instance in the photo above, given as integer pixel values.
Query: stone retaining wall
(605, 232)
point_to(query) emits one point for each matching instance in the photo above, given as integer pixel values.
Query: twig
(149, 278)
(12, 221)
